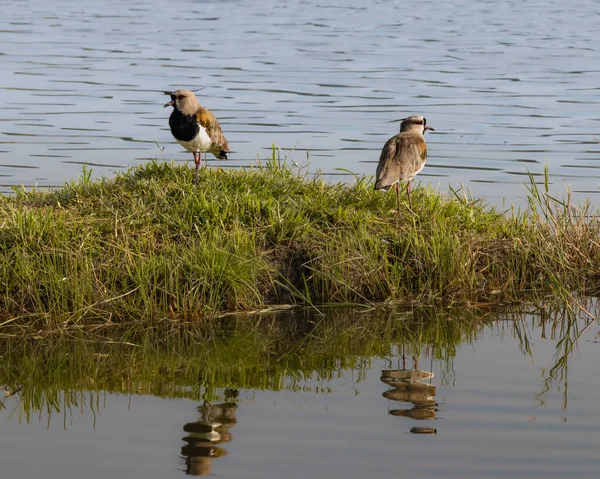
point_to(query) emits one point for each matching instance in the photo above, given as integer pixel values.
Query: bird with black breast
(196, 128)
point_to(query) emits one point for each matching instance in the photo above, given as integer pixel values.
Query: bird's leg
(403, 359)
(197, 160)
(398, 194)
(408, 193)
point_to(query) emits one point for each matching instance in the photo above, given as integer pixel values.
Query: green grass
(149, 245)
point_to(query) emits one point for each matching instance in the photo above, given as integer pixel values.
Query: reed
(149, 244)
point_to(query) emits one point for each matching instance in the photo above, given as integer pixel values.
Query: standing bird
(403, 156)
(196, 128)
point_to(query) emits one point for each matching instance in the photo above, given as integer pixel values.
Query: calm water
(508, 85)
(485, 406)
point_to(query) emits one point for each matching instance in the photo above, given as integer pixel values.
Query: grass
(149, 245)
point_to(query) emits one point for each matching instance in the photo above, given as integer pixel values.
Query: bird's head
(184, 101)
(414, 123)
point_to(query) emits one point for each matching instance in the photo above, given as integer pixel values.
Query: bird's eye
(180, 97)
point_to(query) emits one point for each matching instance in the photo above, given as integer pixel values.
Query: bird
(403, 156)
(196, 128)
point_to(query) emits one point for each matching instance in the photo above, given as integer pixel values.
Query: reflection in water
(203, 436)
(423, 430)
(290, 361)
(406, 386)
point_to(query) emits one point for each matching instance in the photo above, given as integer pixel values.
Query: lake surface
(476, 395)
(507, 85)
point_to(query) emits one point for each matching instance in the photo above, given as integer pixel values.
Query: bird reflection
(204, 435)
(407, 386)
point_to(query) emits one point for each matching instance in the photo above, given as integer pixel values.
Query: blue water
(507, 85)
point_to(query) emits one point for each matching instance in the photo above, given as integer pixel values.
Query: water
(493, 400)
(508, 86)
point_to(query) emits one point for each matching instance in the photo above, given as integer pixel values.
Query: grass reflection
(56, 374)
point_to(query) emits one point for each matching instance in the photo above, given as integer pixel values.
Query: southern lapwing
(403, 156)
(196, 128)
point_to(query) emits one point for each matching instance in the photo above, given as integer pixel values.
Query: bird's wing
(384, 174)
(402, 157)
(207, 119)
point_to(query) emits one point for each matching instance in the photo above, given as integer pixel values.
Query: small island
(149, 244)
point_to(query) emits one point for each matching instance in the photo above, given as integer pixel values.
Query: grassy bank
(149, 244)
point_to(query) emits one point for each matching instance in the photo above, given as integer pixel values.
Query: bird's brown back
(209, 121)
(402, 157)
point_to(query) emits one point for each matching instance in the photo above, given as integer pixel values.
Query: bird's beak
(427, 127)
(171, 103)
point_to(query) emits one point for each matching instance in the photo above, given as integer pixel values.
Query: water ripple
(507, 93)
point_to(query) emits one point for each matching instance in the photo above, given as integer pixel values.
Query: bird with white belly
(196, 128)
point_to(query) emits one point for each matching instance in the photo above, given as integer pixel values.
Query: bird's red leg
(197, 160)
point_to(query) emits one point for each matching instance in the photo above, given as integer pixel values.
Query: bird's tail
(380, 184)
